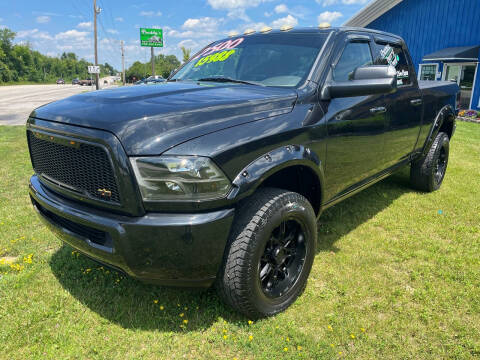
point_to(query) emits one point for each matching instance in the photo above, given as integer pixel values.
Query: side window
(355, 55)
(387, 54)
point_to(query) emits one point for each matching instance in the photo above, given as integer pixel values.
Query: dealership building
(443, 37)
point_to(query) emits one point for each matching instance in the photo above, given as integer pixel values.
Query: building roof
(371, 12)
(464, 53)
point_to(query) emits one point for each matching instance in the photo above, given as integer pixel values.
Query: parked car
(87, 82)
(151, 80)
(75, 81)
(219, 176)
(61, 82)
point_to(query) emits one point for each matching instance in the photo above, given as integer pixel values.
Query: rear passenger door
(404, 107)
(355, 125)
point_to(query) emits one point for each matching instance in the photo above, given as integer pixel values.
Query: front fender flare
(254, 174)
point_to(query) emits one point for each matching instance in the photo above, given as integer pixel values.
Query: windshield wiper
(227, 79)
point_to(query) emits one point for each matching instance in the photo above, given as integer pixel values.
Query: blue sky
(53, 27)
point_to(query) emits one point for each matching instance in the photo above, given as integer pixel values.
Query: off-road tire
(423, 172)
(238, 282)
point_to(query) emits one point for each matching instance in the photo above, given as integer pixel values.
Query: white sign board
(94, 69)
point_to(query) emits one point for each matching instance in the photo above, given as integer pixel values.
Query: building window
(428, 72)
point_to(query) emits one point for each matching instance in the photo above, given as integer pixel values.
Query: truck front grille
(79, 167)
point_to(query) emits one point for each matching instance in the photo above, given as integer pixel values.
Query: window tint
(387, 54)
(273, 60)
(428, 72)
(355, 55)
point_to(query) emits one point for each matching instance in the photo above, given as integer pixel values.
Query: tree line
(164, 65)
(19, 63)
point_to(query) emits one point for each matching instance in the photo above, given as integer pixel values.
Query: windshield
(279, 59)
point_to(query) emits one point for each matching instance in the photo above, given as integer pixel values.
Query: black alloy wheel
(441, 166)
(283, 259)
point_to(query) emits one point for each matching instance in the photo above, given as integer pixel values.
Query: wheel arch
(444, 122)
(292, 167)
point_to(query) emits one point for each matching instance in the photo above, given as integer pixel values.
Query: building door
(464, 76)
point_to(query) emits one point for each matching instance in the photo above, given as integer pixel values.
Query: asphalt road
(18, 101)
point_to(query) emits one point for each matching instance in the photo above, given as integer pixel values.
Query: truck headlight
(179, 178)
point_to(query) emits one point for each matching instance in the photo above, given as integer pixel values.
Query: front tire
(270, 253)
(427, 174)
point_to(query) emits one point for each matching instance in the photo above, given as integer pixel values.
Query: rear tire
(270, 253)
(427, 174)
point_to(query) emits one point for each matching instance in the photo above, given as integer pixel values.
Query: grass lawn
(26, 83)
(397, 276)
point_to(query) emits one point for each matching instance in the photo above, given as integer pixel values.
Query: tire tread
(232, 280)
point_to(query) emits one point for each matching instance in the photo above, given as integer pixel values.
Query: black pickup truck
(218, 176)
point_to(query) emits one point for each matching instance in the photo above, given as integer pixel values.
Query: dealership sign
(151, 37)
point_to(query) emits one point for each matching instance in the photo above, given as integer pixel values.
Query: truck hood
(151, 119)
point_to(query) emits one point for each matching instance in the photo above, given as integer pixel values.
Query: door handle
(416, 102)
(378, 110)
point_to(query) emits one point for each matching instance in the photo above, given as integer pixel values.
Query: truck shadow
(134, 305)
(347, 215)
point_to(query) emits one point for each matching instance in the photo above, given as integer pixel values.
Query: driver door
(355, 127)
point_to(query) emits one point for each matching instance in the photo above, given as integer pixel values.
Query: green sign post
(151, 38)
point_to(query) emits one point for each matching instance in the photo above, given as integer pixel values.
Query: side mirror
(367, 80)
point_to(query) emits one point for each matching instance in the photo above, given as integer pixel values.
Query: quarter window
(388, 54)
(354, 56)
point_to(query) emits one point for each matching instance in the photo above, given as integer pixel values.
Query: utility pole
(153, 63)
(123, 64)
(96, 11)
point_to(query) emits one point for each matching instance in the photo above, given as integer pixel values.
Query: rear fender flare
(445, 114)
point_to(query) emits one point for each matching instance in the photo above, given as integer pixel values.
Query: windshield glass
(282, 59)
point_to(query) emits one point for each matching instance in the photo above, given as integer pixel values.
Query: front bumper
(166, 249)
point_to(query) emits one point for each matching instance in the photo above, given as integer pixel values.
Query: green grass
(27, 83)
(397, 276)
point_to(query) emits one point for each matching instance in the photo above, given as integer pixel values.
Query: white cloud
(112, 31)
(329, 16)
(119, 19)
(288, 20)
(34, 34)
(282, 8)
(351, 2)
(85, 25)
(206, 27)
(72, 35)
(1, 19)
(201, 24)
(188, 43)
(150, 13)
(236, 8)
(345, 2)
(238, 14)
(234, 4)
(43, 19)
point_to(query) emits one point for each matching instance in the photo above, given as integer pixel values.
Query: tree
(164, 65)
(186, 54)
